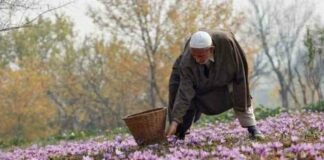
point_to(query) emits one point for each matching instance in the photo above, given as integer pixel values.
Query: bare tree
(279, 26)
(310, 72)
(152, 27)
(14, 13)
(259, 70)
(135, 18)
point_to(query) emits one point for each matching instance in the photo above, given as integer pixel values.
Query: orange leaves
(25, 106)
(173, 15)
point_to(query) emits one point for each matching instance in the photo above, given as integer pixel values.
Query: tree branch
(28, 23)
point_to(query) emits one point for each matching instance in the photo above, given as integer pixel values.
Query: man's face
(201, 55)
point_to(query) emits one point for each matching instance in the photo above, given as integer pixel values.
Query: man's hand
(172, 129)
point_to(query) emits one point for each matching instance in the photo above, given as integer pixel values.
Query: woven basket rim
(150, 111)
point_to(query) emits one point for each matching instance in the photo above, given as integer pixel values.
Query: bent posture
(210, 77)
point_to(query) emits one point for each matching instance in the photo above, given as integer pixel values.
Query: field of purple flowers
(288, 136)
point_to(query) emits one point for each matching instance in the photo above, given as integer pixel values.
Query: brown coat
(190, 87)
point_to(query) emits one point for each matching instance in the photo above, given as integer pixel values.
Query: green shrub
(18, 141)
(223, 117)
(110, 134)
(262, 111)
(71, 135)
(315, 107)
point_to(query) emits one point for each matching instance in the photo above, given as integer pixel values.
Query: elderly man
(210, 77)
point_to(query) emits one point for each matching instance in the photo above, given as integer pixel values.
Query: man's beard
(205, 62)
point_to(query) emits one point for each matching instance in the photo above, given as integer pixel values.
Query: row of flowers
(295, 136)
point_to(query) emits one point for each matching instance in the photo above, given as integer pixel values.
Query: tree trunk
(302, 86)
(318, 91)
(152, 82)
(284, 96)
(283, 89)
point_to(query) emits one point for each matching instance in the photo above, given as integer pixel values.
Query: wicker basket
(147, 127)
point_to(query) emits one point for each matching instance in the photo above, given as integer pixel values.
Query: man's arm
(181, 97)
(185, 94)
(174, 83)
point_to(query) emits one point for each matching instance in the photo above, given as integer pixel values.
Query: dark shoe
(255, 133)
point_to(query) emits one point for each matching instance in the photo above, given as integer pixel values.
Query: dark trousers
(192, 115)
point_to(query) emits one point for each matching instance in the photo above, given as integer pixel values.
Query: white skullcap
(200, 39)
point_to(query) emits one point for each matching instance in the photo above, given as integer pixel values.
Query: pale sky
(83, 24)
(77, 11)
